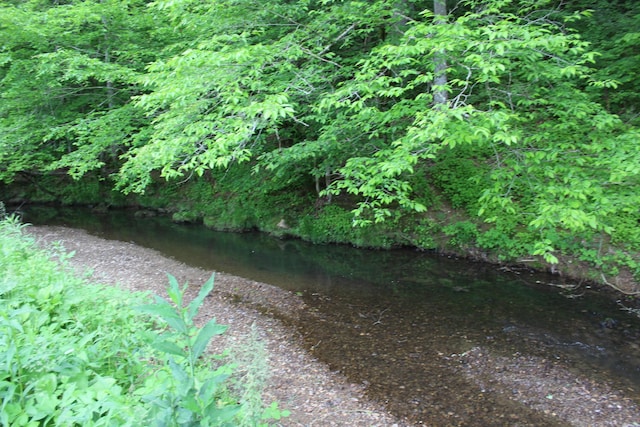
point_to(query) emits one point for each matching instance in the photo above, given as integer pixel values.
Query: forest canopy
(522, 113)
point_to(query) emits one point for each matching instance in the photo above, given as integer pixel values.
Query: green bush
(626, 231)
(423, 234)
(78, 354)
(457, 173)
(185, 216)
(230, 214)
(461, 234)
(70, 351)
(186, 390)
(332, 224)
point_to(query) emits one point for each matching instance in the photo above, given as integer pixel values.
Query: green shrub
(422, 187)
(332, 224)
(626, 230)
(185, 216)
(458, 175)
(188, 389)
(232, 214)
(70, 351)
(505, 244)
(461, 234)
(422, 234)
(78, 354)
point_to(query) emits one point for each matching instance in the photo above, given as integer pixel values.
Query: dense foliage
(78, 354)
(520, 114)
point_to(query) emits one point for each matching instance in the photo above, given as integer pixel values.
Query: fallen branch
(604, 280)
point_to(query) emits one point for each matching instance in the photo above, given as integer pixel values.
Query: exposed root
(622, 291)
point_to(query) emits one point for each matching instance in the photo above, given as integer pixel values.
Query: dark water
(386, 318)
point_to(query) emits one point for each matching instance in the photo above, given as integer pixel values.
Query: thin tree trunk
(401, 18)
(107, 60)
(440, 95)
(111, 93)
(327, 181)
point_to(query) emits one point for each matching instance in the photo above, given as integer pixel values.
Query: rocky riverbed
(549, 394)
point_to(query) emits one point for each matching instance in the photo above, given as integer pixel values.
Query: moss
(185, 216)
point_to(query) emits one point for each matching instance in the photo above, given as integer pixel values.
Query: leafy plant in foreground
(69, 351)
(74, 353)
(184, 398)
(185, 392)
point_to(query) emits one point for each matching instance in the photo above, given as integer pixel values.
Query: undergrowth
(79, 354)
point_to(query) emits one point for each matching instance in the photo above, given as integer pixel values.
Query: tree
(338, 97)
(440, 96)
(613, 32)
(246, 86)
(559, 162)
(67, 75)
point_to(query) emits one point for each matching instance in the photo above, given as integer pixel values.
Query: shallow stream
(396, 320)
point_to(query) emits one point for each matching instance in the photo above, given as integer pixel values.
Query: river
(396, 320)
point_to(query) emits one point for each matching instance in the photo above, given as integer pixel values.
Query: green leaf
(182, 380)
(274, 412)
(204, 336)
(167, 313)
(191, 404)
(169, 348)
(195, 304)
(223, 414)
(174, 291)
(211, 386)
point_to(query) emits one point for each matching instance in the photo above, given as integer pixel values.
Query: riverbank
(591, 259)
(550, 393)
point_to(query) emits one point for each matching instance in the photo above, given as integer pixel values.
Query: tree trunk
(400, 18)
(440, 95)
(107, 60)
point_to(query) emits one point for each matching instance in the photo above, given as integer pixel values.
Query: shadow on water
(387, 318)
